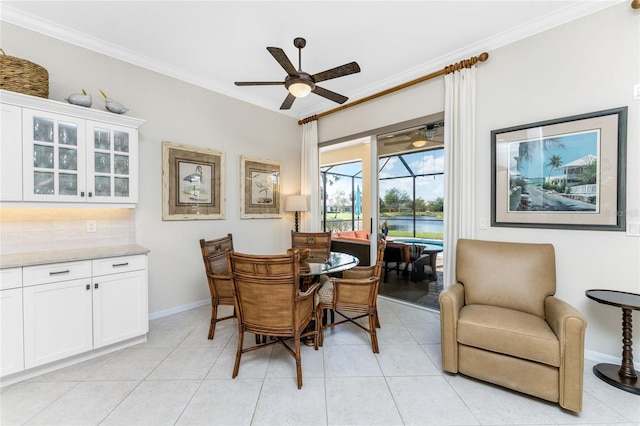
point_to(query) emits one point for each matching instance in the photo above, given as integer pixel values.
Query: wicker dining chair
(269, 303)
(355, 292)
(318, 243)
(215, 264)
(319, 246)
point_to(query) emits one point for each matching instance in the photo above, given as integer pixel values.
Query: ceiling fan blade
(288, 101)
(346, 69)
(332, 96)
(259, 83)
(283, 60)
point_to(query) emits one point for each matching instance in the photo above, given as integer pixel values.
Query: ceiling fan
(421, 137)
(299, 83)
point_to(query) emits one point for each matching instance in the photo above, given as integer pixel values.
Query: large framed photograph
(192, 183)
(259, 188)
(567, 173)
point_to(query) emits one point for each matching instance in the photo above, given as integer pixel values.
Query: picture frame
(566, 173)
(259, 188)
(193, 183)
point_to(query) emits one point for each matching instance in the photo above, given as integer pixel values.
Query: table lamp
(296, 203)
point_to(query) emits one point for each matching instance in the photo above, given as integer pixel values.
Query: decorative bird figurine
(113, 106)
(80, 99)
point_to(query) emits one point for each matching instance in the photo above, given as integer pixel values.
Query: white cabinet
(57, 311)
(68, 153)
(10, 153)
(112, 160)
(54, 157)
(120, 307)
(75, 307)
(11, 351)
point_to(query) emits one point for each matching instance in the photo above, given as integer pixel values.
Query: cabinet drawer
(56, 272)
(10, 278)
(115, 265)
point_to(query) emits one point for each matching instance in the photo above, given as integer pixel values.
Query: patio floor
(422, 293)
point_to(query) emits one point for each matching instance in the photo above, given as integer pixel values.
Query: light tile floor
(180, 377)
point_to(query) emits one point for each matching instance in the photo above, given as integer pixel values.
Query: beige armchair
(502, 324)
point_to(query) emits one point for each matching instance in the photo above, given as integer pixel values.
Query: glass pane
(68, 134)
(101, 139)
(121, 143)
(103, 162)
(42, 129)
(43, 156)
(43, 183)
(68, 184)
(68, 159)
(121, 187)
(121, 164)
(103, 186)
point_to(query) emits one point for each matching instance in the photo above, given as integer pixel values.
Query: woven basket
(22, 76)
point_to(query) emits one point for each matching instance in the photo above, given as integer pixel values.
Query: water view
(423, 224)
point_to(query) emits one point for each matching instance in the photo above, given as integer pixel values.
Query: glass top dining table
(337, 262)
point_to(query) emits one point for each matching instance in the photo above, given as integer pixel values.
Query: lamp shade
(296, 203)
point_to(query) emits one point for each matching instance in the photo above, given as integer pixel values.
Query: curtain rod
(465, 63)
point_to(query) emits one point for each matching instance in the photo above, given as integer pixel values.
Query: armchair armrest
(306, 304)
(451, 301)
(569, 325)
(309, 293)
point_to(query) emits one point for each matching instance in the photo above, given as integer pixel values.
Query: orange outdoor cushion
(362, 234)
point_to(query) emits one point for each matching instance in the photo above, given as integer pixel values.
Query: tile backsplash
(24, 230)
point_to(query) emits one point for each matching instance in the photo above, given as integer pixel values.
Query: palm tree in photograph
(555, 161)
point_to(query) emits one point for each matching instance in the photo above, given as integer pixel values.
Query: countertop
(57, 256)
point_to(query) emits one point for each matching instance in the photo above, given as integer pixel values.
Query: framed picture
(567, 173)
(192, 183)
(259, 188)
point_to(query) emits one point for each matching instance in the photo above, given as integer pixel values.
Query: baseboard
(178, 309)
(598, 358)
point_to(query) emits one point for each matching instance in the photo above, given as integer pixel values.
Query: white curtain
(310, 177)
(459, 169)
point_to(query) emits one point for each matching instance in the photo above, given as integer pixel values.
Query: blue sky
(576, 145)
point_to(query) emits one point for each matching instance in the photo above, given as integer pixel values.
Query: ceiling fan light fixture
(299, 89)
(419, 143)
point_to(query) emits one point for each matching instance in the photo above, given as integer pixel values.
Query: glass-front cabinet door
(54, 157)
(112, 163)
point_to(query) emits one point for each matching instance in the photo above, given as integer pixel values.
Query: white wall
(588, 65)
(177, 112)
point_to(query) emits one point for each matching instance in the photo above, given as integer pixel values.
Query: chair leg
(236, 367)
(372, 333)
(298, 362)
(377, 319)
(214, 316)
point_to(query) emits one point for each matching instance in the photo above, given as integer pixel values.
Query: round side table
(622, 376)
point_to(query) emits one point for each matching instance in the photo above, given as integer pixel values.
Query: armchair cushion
(508, 332)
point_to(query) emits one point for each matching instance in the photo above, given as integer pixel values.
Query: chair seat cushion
(326, 293)
(509, 332)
